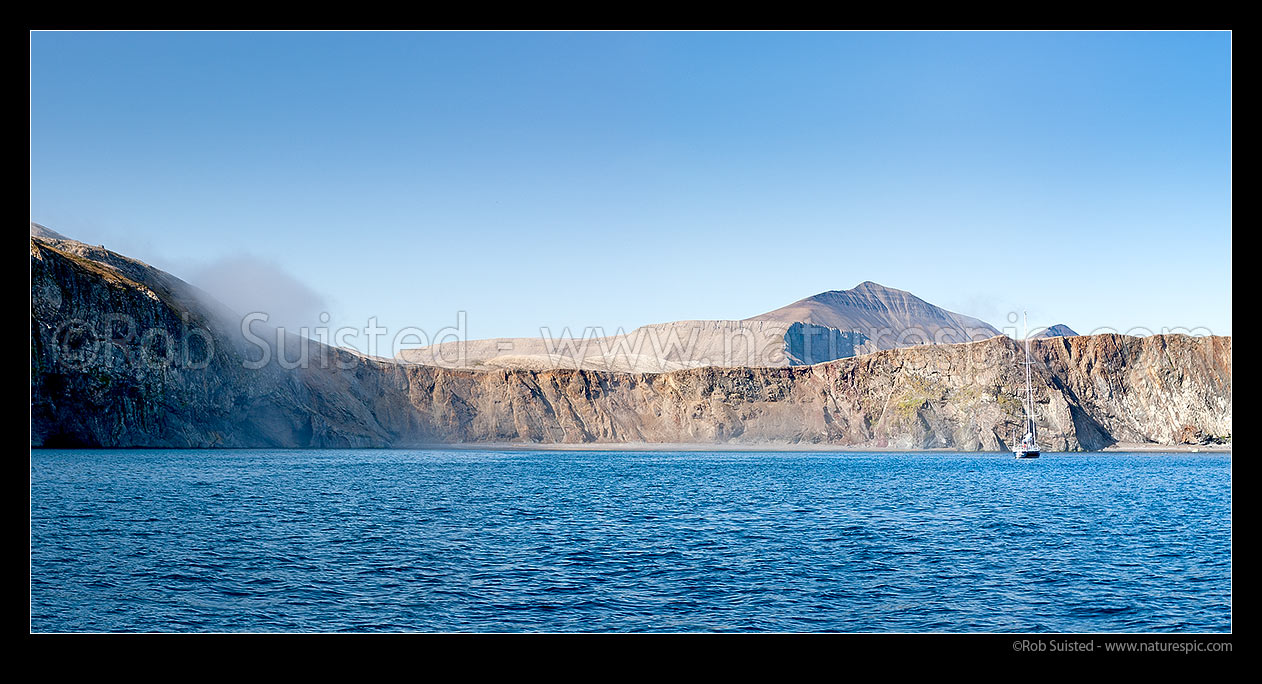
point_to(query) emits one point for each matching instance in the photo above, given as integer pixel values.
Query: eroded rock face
(94, 384)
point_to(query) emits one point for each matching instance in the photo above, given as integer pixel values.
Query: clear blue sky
(618, 179)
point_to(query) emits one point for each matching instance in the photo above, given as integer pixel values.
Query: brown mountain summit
(830, 325)
(889, 318)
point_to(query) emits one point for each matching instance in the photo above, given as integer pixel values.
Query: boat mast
(1029, 395)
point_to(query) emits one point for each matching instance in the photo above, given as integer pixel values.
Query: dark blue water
(624, 541)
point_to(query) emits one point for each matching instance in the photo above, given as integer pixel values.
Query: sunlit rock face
(125, 355)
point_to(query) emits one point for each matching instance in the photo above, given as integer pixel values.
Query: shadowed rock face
(1058, 330)
(806, 344)
(101, 376)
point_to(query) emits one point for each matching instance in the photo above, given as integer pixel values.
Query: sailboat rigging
(1028, 448)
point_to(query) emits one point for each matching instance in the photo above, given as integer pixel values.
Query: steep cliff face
(125, 355)
(1144, 389)
(102, 376)
(1089, 392)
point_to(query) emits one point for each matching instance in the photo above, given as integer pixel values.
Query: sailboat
(1029, 446)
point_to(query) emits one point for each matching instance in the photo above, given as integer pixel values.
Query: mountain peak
(869, 285)
(1058, 330)
(866, 288)
(887, 316)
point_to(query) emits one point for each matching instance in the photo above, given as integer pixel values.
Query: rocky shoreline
(91, 387)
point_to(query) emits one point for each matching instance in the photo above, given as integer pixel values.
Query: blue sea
(607, 541)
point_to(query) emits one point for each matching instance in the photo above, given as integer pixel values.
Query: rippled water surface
(272, 540)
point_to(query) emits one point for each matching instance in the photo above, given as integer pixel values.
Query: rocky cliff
(125, 355)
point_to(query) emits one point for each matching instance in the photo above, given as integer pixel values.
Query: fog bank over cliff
(246, 284)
